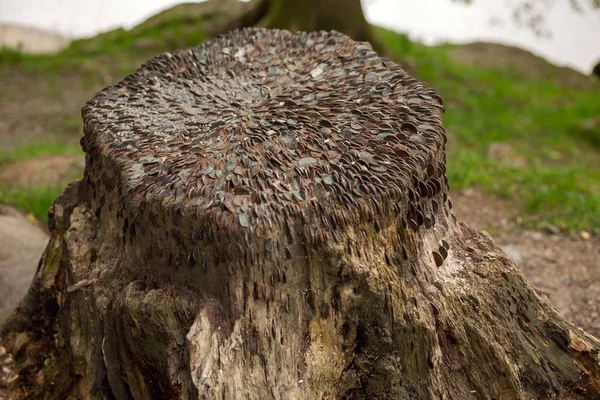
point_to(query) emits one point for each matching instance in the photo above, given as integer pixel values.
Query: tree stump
(266, 216)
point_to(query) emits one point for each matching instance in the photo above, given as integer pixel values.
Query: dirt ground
(47, 170)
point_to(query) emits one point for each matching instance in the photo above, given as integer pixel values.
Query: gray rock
(513, 253)
(21, 245)
(552, 229)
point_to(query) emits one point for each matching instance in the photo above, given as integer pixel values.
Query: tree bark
(267, 216)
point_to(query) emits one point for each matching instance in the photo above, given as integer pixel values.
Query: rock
(535, 235)
(21, 245)
(585, 235)
(552, 229)
(590, 124)
(513, 253)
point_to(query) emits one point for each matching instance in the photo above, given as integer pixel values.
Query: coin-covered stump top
(259, 128)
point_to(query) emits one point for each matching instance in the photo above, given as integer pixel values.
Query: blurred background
(517, 77)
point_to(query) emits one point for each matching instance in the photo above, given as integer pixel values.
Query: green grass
(557, 178)
(24, 150)
(35, 201)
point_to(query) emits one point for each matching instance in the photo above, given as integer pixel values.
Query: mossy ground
(556, 178)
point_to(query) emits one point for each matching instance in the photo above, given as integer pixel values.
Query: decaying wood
(266, 216)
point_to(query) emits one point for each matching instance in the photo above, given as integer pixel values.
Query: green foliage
(35, 201)
(32, 149)
(552, 171)
(8, 55)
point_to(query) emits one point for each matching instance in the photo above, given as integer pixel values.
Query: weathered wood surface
(266, 216)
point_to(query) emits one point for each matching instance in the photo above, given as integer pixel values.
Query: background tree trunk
(281, 229)
(344, 16)
(221, 16)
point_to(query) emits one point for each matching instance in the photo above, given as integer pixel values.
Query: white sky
(574, 42)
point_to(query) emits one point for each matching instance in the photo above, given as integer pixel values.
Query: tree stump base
(266, 216)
